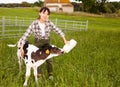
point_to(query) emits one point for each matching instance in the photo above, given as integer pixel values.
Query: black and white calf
(34, 57)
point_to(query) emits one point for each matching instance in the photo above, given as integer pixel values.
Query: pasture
(94, 62)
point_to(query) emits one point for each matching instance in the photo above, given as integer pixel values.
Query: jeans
(39, 44)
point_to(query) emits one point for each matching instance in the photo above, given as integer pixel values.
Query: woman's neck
(41, 21)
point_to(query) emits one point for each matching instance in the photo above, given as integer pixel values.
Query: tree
(38, 3)
(87, 4)
(25, 4)
(94, 6)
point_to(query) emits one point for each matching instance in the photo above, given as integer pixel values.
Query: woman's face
(44, 16)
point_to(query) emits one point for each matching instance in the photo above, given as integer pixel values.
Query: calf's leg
(27, 75)
(35, 74)
(19, 62)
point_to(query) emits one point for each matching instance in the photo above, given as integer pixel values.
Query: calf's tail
(11, 45)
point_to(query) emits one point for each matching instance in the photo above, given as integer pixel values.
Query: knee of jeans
(49, 60)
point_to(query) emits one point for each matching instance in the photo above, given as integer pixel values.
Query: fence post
(16, 21)
(56, 21)
(87, 25)
(65, 25)
(3, 27)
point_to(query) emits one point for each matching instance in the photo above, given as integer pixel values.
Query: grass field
(94, 62)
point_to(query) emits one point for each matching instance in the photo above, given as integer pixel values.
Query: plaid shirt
(35, 29)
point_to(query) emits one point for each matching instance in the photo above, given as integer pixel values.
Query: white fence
(15, 26)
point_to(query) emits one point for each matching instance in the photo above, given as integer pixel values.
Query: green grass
(94, 62)
(20, 12)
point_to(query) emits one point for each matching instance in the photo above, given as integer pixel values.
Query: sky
(29, 1)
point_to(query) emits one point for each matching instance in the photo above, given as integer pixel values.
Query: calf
(34, 57)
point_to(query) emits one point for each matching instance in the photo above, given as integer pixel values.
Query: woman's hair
(43, 9)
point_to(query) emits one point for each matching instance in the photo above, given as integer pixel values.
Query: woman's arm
(28, 32)
(59, 32)
(23, 39)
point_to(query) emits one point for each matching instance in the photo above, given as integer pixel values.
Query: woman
(41, 29)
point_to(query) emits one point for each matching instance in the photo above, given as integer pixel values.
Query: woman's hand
(65, 41)
(22, 51)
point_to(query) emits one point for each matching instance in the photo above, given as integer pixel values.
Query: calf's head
(51, 49)
(47, 51)
(55, 50)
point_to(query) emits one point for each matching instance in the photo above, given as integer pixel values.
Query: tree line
(38, 3)
(91, 6)
(97, 6)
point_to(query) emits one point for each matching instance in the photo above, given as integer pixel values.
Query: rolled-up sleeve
(57, 30)
(28, 32)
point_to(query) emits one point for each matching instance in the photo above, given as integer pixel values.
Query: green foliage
(38, 3)
(25, 4)
(97, 6)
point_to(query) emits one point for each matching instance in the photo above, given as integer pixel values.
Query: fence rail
(15, 26)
